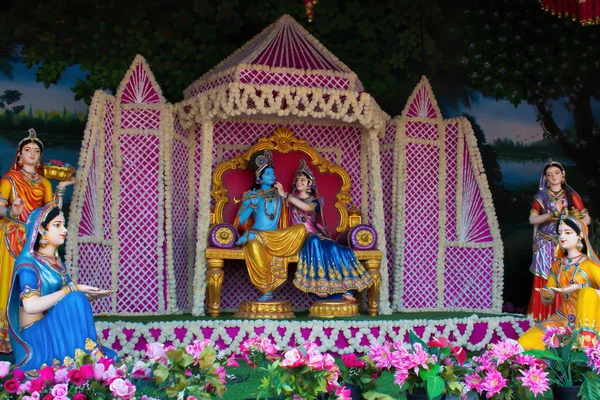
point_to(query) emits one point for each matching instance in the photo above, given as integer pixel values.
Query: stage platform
(129, 335)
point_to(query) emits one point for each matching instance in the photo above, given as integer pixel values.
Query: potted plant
(359, 374)
(572, 371)
(504, 371)
(301, 372)
(423, 371)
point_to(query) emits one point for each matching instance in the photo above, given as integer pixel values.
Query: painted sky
(54, 98)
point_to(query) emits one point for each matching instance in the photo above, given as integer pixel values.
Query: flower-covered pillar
(447, 246)
(371, 139)
(204, 153)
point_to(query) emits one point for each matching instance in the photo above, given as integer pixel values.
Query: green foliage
(590, 387)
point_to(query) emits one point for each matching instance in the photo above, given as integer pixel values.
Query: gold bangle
(66, 289)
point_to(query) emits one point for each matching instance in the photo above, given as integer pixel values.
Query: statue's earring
(39, 163)
(43, 240)
(258, 181)
(20, 162)
(562, 181)
(579, 245)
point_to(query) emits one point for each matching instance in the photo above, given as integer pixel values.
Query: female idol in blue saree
(325, 268)
(49, 316)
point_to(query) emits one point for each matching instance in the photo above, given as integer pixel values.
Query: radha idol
(325, 268)
(49, 316)
(267, 240)
(552, 198)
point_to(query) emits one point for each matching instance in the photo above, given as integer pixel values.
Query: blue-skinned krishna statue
(267, 240)
(49, 316)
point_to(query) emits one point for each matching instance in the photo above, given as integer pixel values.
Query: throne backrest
(234, 177)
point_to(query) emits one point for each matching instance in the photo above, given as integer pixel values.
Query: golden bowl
(58, 173)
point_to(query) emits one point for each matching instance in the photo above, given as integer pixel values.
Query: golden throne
(233, 177)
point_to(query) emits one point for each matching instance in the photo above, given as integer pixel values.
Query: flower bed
(199, 371)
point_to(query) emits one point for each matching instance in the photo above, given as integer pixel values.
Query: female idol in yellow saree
(22, 190)
(575, 276)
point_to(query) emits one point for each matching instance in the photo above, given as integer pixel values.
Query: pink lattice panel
(88, 226)
(211, 85)
(421, 130)
(283, 79)
(140, 119)
(421, 226)
(95, 269)
(139, 89)
(179, 211)
(468, 278)
(474, 226)
(237, 285)
(109, 129)
(139, 225)
(421, 105)
(451, 144)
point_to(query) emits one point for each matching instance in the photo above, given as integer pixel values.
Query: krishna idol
(267, 241)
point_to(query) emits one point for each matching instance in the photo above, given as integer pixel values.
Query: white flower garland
(372, 331)
(379, 218)
(203, 218)
(400, 215)
(236, 99)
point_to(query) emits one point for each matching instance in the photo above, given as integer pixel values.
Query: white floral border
(373, 331)
(199, 284)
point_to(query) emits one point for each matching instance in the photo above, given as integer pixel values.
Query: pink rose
(47, 374)
(351, 361)
(24, 387)
(48, 397)
(61, 376)
(37, 385)
(12, 385)
(195, 349)
(80, 396)
(87, 370)
(99, 370)
(191, 398)
(107, 362)
(18, 374)
(140, 370)
(292, 359)
(76, 377)
(113, 373)
(62, 398)
(4, 368)
(122, 388)
(60, 389)
(156, 351)
(315, 361)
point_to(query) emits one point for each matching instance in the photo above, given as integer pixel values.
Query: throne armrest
(222, 236)
(359, 237)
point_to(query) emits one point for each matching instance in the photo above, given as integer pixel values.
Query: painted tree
(513, 51)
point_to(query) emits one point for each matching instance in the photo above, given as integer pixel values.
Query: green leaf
(160, 373)
(435, 386)
(371, 395)
(415, 339)
(544, 354)
(590, 387)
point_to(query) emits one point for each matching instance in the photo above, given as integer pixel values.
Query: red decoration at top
(587, 12)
